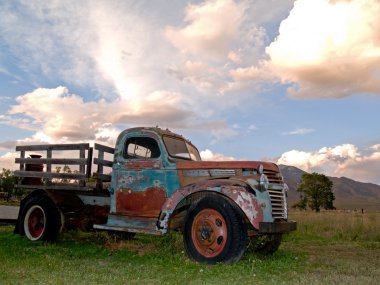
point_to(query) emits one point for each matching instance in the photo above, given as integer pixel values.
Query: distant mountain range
(349, 194)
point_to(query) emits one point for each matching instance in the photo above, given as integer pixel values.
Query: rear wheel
(40, 219)
(214, 231)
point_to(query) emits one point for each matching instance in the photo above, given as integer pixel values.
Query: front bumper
(277, 227)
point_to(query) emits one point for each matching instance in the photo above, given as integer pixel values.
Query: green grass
(328, 248)
(341, 247)
(9, 203)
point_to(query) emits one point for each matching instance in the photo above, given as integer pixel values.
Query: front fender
(239, 192)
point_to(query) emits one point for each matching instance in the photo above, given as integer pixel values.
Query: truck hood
(208, 165)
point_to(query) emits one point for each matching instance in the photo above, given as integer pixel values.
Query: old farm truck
(155, 183)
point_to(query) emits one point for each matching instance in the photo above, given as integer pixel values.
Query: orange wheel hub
(209, 232)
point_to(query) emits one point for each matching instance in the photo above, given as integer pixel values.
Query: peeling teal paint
(163, 174)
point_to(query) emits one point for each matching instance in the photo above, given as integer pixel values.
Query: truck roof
(156, 130)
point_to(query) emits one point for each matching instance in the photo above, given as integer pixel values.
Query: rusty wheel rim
(209, 232)
(34, 222)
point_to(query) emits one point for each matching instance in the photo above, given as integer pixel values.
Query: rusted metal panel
(86, 217)
(277, 228)
(146, 203)
(234, 189)
(130, 224)
(143, 164)
(146, 186)
(141, 186)
(196, 165)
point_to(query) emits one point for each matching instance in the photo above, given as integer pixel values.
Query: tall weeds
(335, 225)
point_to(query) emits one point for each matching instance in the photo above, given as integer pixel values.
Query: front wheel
(214, 231)
(40, 219)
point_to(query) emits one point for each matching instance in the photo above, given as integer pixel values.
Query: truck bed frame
(37, 172)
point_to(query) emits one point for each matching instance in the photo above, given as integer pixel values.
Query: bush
(7, 184)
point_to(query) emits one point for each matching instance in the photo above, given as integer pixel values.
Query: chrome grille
(273, 177)
(277, 195)
(222, 172)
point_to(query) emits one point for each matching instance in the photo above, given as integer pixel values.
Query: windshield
(178, 147)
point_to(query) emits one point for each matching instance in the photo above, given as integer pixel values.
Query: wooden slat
(49, 175)
(100, 166)
(53, 147)
(82, 167)
(65, 161)
(22, 165)
(103, 162)
(74, 187)
(49, 155)
(104, 148)
(22, 155)
(103, 177)
(89, 162)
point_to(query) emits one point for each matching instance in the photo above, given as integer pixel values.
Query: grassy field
(328, 248)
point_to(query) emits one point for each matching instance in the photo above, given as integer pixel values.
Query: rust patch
(234, 189)
(86, 217)
(143, 164)
(146, 203)
(191, 165)
(172, 202)
(248, 204)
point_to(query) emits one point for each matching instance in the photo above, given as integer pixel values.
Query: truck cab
(159, 183)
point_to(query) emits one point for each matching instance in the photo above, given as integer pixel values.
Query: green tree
(64, 169)
(301, 204)
(7, 182)
(316, 191)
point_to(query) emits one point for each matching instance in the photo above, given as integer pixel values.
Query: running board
(130, 224)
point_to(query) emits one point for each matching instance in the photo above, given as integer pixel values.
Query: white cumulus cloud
(7, 161)
(208, 155)
(329, 49)
(341, 160)
(210, 28)
(56, 115)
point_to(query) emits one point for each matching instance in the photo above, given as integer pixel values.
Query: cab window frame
(186, 143)
(143, 142)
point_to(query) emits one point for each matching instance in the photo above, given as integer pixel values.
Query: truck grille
(277, 195)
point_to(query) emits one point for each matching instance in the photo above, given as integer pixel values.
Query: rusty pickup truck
(155, 182)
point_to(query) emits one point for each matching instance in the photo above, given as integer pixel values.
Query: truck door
(140, 180)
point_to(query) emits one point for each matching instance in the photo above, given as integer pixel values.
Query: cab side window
(141, 147)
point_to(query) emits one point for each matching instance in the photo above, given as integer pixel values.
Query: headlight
(264, 183)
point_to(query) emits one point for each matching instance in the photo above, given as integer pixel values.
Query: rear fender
(65, 202)
(238, 192)
(35, 193)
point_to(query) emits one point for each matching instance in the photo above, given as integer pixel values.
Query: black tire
(214, 231)
(267, 244)
(40, 219)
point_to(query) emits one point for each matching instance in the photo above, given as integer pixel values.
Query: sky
(293, 82)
